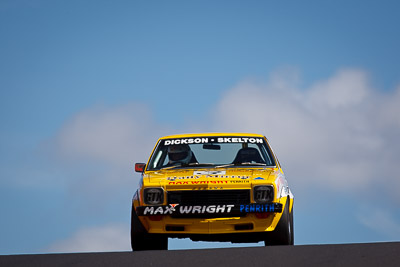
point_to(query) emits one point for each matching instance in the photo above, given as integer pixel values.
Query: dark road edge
(362, 254)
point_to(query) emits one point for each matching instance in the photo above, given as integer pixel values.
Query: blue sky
(87, 87)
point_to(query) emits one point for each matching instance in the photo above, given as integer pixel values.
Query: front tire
(291, 226)
(283, 233)
(141, 240)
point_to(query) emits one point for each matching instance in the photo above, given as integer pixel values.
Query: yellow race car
(211, 187)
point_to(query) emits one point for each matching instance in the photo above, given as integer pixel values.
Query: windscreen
(211, 152)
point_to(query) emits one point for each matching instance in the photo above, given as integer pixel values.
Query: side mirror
(139, 167)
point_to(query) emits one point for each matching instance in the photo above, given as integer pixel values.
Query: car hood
(206, 178)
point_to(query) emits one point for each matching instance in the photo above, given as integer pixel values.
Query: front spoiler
(231, 210)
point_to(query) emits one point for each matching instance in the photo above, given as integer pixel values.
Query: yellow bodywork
(233, 178)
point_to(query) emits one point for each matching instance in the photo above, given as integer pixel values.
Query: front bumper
(211, 219)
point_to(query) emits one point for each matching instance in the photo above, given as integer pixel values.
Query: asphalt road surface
(370, 254)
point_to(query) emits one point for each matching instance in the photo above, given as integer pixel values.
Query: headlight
(263, 193)
(153, 196)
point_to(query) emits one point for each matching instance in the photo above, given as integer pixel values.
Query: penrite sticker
(260, 208)
(208, 209)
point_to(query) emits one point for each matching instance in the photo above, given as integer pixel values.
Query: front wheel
(291, 227)
(283, 233)
(141, 240)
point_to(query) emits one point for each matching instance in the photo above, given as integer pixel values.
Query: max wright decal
(166, 210)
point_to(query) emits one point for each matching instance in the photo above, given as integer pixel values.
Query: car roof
(210, 134)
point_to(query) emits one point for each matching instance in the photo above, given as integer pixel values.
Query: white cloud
(337, 133)
(95, 239)
(114, 135)
(347, 88)
(97, 149)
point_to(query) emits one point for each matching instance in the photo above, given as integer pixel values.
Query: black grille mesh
(209, 197)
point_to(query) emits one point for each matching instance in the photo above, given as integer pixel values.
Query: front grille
(209, 197)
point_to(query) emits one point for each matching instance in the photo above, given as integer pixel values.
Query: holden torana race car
(211, 187)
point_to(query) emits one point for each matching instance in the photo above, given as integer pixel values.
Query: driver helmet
(179, 153)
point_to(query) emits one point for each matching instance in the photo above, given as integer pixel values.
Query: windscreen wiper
(225, 165)
(198, 164)
(250, 163)
(241, 164)
(171, 167)
(187, 165)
